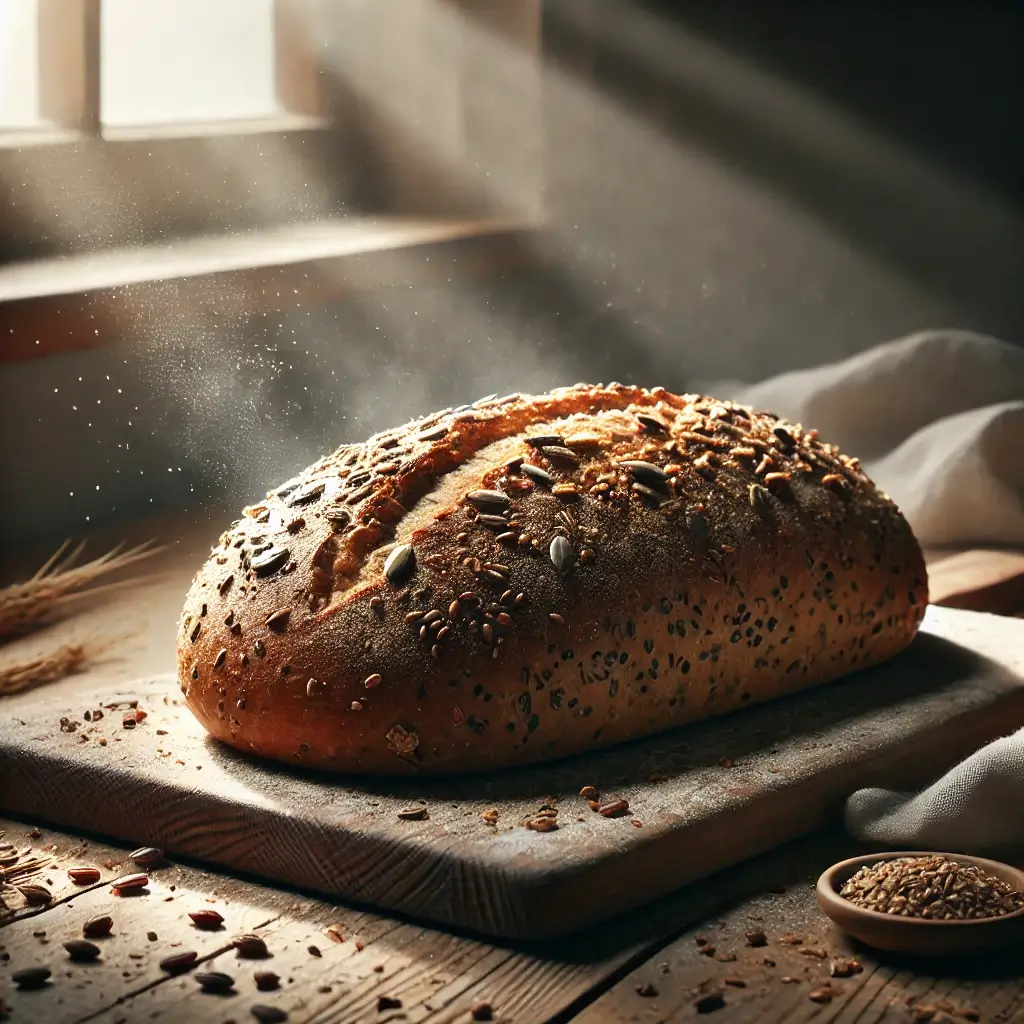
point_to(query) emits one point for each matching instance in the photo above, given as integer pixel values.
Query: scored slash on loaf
(535, 576)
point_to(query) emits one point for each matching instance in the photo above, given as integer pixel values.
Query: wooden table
(681, 959)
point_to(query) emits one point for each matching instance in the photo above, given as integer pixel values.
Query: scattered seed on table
(81, 949)
(125, 882)
(647, 990)
(151, 936)
(249, 946)
(147, 855)
(613, 808)
(709, 1002)
(266, 981)
(588, 793)
(208, 920)
(31, 977)
(37, 895)
(84, 875)
(417, 813)
(824, 994)
(268, 1014)
(482, 1011)
(388, 1003)
(215, 981)
(313, 951)
(97, 927)
(844, 967)
(336, 933)
(178, 962)
(756, 938)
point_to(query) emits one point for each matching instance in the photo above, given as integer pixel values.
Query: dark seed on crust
(268, 562)
(221, 657)
(560, 452)
(278, 621)
(260, 648)
(698, 527)
(494, 522)
(758, 495)
(136, 881)
(648, 494)
(562, 555)
(651, 423)
(488, 499)
(543, 440)
(399, 564)
(266, 981)
(415, 813)
(194, 635)
(557, 619)
(434, 434)
(538, 475)
(306, 493)
(225, 585)
(509, 537)
(646, 472)
(785, 437)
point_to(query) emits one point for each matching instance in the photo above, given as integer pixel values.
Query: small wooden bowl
(915, 935)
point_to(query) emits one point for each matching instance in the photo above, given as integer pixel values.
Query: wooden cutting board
(700, 798)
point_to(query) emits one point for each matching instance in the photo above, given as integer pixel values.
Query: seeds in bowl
(936, 888)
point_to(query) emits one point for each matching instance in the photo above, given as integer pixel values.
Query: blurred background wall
(487, 196)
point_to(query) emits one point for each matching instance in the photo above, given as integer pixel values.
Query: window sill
(276, 123)
(195, 257)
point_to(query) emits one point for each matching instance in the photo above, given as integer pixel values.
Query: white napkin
(937, 419)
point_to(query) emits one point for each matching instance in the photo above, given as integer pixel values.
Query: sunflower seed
(646, 472)
(266, 981)
(249, 946)
(268, 562)
(97, 927)
(37, 895)
(306, 493)
(488, 499)
(400, 564)
(562, 555)
(560, 452)
(268, 1014)
(206, 919)
(543, 440)
(80, 949)
(651, 423)
(648, 494)
(215, 981)
(492, 522)
(417, 813)
(434, 434)
(31, 977)
(136, 881)
(278, 621)
(538, 475)
(785, 437)
(84, 876)
(178, 962)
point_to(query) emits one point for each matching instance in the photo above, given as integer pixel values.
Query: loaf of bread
(534, 576)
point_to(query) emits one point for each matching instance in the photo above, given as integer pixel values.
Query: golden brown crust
(465, 593)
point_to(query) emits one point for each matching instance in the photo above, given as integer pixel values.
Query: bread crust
(536, 576)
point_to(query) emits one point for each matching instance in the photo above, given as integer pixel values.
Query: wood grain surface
(599, 976)
(705, 797)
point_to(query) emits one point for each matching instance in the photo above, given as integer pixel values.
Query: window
(145, 68)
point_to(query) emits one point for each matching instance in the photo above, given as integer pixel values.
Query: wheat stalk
(59, 581)
(56, 664)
